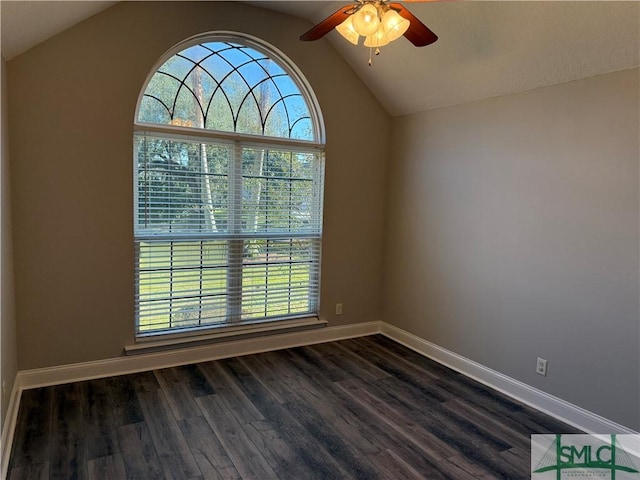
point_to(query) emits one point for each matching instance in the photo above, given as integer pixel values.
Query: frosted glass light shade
(394, 25)
(347, 31)
(378, 39)
(366, 21)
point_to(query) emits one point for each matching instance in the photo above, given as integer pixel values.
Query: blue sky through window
(195, 87)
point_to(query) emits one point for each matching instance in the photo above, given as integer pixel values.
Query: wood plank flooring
(365, 408)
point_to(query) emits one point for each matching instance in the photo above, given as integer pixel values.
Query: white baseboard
(9, 427)
(76, 372)
(553, 406)
(556, 407)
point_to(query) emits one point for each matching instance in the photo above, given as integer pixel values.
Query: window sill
(171, 341)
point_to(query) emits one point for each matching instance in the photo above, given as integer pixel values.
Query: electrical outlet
(541, 367)
(338, 309)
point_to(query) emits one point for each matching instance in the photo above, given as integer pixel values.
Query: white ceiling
(485, 49)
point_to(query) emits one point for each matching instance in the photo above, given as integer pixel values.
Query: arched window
(228, 155)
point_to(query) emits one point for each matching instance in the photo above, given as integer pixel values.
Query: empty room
(320, 240)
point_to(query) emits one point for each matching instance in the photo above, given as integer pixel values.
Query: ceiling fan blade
(417, 33)
(321, 29)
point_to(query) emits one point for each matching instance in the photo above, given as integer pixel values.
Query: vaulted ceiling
(485, 49)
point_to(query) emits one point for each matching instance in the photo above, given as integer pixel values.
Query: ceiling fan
(378, 21)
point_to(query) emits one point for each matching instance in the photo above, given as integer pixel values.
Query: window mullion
(235, 245)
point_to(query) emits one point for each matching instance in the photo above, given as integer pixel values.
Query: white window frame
(178, 133)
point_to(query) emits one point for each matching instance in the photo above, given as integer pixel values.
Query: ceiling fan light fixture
(366, 20)
(394, 25)
(347, 31)
(379, 21)
(378, 39)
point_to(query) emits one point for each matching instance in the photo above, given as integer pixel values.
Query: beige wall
(513, 234)
(72, 106)
(8, 346)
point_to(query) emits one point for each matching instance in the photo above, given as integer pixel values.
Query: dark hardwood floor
(364, 408)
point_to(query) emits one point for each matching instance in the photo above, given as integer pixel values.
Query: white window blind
(225, 232)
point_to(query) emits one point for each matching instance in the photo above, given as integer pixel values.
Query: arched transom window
(228, 154)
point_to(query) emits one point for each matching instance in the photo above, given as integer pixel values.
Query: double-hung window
(228, 184)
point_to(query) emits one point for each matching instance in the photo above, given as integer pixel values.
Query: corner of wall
(8, 358)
